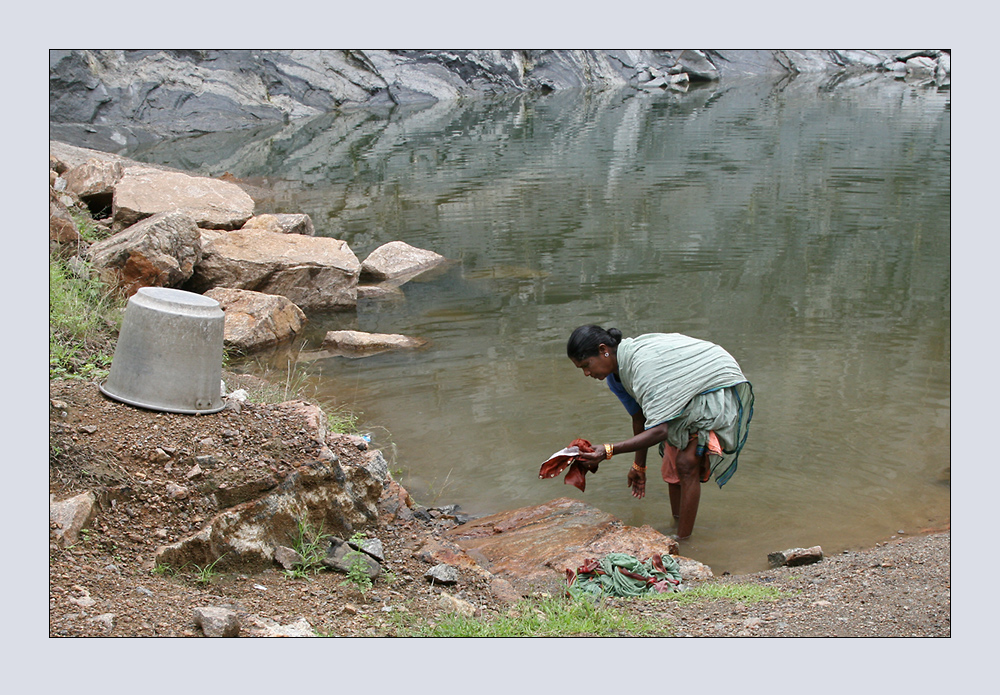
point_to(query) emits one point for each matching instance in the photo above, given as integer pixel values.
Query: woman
(687, 395)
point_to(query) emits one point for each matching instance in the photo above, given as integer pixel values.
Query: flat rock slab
(359, 343)
(214, 204)
(532, 547)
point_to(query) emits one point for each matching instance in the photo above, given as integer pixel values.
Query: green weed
(742, 593)
(548, 617)
(205, 575)
(84, 320)
(311, 545)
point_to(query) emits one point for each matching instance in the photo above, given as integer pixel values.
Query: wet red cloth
(558, 462)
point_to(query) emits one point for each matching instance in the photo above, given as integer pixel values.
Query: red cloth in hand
(558, 462)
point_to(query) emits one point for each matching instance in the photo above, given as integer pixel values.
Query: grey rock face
(132, 97)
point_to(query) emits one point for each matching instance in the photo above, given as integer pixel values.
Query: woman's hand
(591, 459)
(637, 481)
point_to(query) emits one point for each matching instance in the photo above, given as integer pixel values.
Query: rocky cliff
(111, 99)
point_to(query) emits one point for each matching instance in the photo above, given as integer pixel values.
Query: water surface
(804, 225)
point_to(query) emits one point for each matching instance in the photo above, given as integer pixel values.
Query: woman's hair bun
(615, 334)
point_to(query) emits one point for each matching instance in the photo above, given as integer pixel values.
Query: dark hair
(585, 341)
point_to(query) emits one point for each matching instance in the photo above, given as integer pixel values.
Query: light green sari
(695, 386)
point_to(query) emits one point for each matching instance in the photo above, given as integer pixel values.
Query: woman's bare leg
(689, 469)
(675, 499)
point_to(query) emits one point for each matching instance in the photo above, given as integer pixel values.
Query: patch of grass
(205, 575)
(89, 230)
(311, 546)
(741, 593)
(84, 319)
(547, 617)
(165, 570)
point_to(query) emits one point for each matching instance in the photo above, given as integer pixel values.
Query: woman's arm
(639, 442)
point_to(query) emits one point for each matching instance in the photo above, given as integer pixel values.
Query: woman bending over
(687, 395)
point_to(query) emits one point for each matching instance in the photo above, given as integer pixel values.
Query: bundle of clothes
(620, 574)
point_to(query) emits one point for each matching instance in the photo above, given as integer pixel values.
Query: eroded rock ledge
(129, 97)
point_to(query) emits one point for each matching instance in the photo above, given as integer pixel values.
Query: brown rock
(255, 320)
(531, 547)
(94, 179)
(160, 251)
(71, 516)
(312, 272)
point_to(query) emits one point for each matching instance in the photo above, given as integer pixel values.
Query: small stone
(194, 472)
(177, 492)
(442, 574)
(159, 456)
(287, 557)
(88, 429)
(453, 604)
(217, 622)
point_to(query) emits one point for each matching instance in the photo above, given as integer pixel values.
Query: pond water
(802, 224)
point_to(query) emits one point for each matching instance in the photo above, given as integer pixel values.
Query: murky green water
(803, 225)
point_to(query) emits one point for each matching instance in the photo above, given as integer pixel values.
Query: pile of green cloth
(620, 574)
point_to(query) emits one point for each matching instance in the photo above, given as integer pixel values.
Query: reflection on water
(803, 226)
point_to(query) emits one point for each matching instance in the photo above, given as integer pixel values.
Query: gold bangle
(637, 467)
(609, 451)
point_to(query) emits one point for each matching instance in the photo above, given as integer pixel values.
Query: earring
(605, 354)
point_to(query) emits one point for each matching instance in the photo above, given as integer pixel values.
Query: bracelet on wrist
(637, 467)
(609, 451)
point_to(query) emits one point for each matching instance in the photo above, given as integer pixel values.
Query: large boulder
(255, 320)
(282, 223)
(312, 272)
(397, 259)
(160, 251)
(337, 497)
(213, 204)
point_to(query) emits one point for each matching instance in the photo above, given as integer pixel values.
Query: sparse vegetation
(84, 320)
(311, 546)
(542, 617)
(741, 593)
